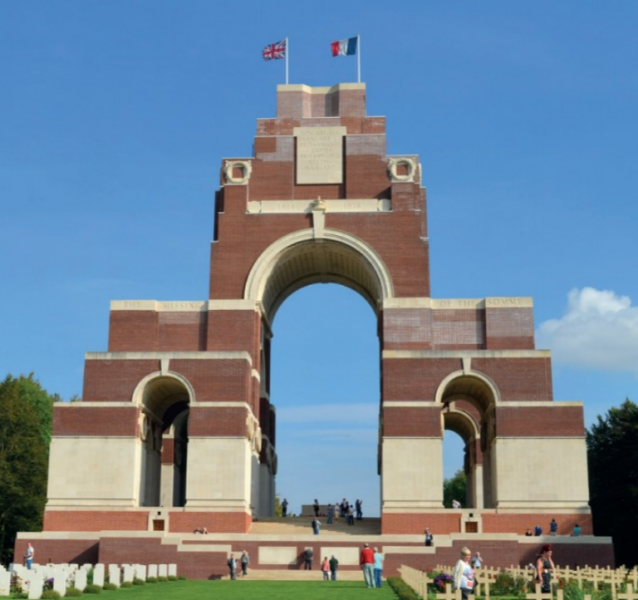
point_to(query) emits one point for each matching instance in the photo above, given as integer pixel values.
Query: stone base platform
(278, 546)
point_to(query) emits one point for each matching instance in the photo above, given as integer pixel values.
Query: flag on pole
(344, 47)
(275, 51)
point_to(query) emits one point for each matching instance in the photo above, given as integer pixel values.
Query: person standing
(28, 557)
(325, 568)
(553, 527)
(307, 556)
(576, 532)
(315, 506)
(366, 561)
(477, 561)
(331, 514)
(334, 565)
(284, 508)
(244, 560)
(316, 526)
(538, 531)
(232, 566)
(350, 515)
(429, 538)
(544, 568)
(463, 576)
(378, 567)
(358, 505)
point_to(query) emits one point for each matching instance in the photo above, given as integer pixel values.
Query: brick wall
(95, 520)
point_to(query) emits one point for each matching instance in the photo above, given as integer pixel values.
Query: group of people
(553, 530)
(243, 561)
(371, 562)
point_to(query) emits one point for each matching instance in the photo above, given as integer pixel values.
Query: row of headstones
(72, 575)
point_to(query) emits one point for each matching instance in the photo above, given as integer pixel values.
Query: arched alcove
(164, 401)
(468, 399)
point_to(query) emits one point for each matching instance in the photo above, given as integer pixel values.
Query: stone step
(301, 526)
(296, 575)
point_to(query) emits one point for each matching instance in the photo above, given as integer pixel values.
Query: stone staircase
(301, 526)
(295, 575)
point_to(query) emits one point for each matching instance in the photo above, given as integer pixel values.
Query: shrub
(20, 595)
(172, 578)
(73, 592)
(110, 587)
(151, 580)
(138, 581)
(506, 585)
(181, 577)
(162, 579)
(126, 584)
(402, 589)
(50, 595)
(92, 589)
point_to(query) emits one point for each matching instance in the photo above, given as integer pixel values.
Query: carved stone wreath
(245, 167)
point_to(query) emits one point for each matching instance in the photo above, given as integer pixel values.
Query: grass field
(249, 590)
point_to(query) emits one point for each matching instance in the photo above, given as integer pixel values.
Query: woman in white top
(463, 576)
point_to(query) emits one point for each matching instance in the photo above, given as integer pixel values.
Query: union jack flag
(274, 51)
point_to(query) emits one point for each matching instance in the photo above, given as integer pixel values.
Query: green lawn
(248, 590)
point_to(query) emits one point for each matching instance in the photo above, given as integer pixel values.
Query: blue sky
(115, 116)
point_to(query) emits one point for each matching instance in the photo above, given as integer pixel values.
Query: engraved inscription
(181, 306)
(319, 154)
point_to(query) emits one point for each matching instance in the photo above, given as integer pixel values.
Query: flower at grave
(48, 584)
(441, 580)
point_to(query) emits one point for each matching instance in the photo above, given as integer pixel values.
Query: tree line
(26, 417)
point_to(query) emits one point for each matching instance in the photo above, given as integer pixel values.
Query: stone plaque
(319, 154)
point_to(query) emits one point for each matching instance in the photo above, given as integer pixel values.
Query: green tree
(612, 452)
(455, 488)
(25, 434)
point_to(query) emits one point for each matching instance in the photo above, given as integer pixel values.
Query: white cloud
(599, 330)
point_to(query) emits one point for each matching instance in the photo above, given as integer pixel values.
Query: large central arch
(300, 259)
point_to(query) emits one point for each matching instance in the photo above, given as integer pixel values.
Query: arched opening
(454, 477)
(325, 386)
(468, 400)
(164, 402)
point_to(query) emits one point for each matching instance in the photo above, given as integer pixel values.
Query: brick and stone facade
(177, 428)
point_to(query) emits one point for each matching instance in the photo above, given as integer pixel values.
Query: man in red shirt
(366, 561)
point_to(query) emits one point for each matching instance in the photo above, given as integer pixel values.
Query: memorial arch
(320, 200)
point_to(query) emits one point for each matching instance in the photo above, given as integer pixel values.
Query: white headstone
(5, 583)
(140, 572)
(128, 574)
(59, 581)
(86, 566)
(80, 580)
(172, 570)
(162, 571)
(36, 582)
(115, 575)
(98, 575)
(152, 570)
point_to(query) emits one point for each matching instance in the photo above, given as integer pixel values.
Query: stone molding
(362, 205)
(460, 303)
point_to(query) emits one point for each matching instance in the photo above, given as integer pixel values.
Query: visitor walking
(334, 565)
(325, 568)
(429, 538)
(366, 561)
(378, 567)
(244, 560)
(544, 568)
(232, 566)
(463, 576)
(307, 557)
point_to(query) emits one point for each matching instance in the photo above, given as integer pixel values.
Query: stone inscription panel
(319, 154)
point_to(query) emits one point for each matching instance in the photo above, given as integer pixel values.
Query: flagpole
(359, 59)
(287, 52)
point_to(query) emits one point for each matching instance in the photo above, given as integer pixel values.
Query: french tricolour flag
(344, 47)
